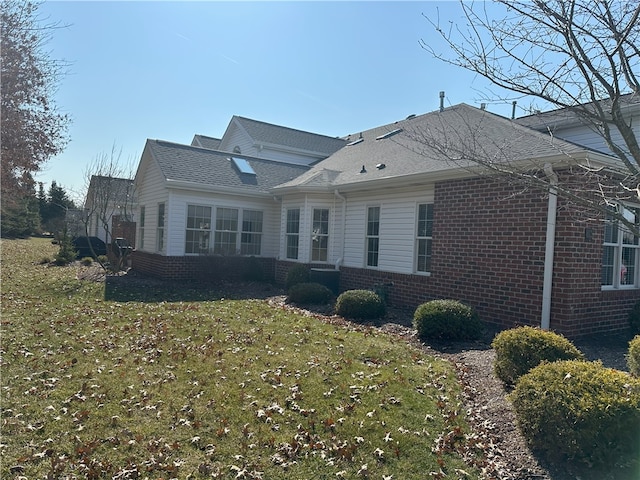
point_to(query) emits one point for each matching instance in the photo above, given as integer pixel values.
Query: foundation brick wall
(202, 268)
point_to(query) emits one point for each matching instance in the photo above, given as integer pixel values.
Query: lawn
(175, 382)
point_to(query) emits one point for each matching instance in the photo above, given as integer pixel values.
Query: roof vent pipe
(441, 101)
(483, 106)
(513, 109)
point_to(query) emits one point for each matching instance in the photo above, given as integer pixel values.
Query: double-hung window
(424, 237)
(251, 236)
(198, 229)
(293, 232)
(320, 235)
(160, 228)
(373, 236)
(621, 248)
(226, 231)
(141, 229)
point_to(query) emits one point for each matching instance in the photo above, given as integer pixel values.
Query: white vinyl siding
(398, 214)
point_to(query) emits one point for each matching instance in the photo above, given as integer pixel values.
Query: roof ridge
(288, 128)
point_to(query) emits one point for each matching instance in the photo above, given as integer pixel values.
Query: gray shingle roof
(206, 142)
(404, 153)
(269, 134)
(209, 168)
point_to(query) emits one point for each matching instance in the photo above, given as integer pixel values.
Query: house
(196, 202)
(390, 210)
(109, 208)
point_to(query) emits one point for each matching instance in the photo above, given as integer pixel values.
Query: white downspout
(344, 225)
(549, 247)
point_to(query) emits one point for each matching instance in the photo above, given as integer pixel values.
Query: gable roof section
(397, 153)
(210, 170)
(206, 142)
(267, 134)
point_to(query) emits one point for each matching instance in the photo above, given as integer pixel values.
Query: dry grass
(151, 383)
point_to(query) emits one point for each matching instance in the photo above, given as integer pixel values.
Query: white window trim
(327, 235)
(288, 234)
(367, 237)
(618, 247)
(417, 239)
(186, 229)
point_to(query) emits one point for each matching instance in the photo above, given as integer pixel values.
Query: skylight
(243, 166)
(355, 142)
(389, 134)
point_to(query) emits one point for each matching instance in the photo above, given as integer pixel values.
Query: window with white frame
(198, 229)
(621, 248)
(320, 235)
(424, 237)
(372, 241)
(141, 229)
(226, 235)
(251, 236)
(160, 228)
(293, 232)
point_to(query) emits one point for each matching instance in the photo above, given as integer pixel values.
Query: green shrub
(634, 319)
(633, 357)
(576, 411)
(520, 349)
(360, 305)
(446, 320)
(103, 259)
(86, 261)
(298, 273)
(66, 253)
(254, 271)
(309, 294)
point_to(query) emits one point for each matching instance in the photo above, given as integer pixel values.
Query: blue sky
(169, 70)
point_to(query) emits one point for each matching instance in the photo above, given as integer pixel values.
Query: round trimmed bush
(298, 273)
(634, 319)
(86, 261)
(360, 305)
(576, 411)
(633, 357)
(520, 349)
(309, 294)
(447, 320)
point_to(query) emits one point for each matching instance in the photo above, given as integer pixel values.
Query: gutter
(547, 287)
